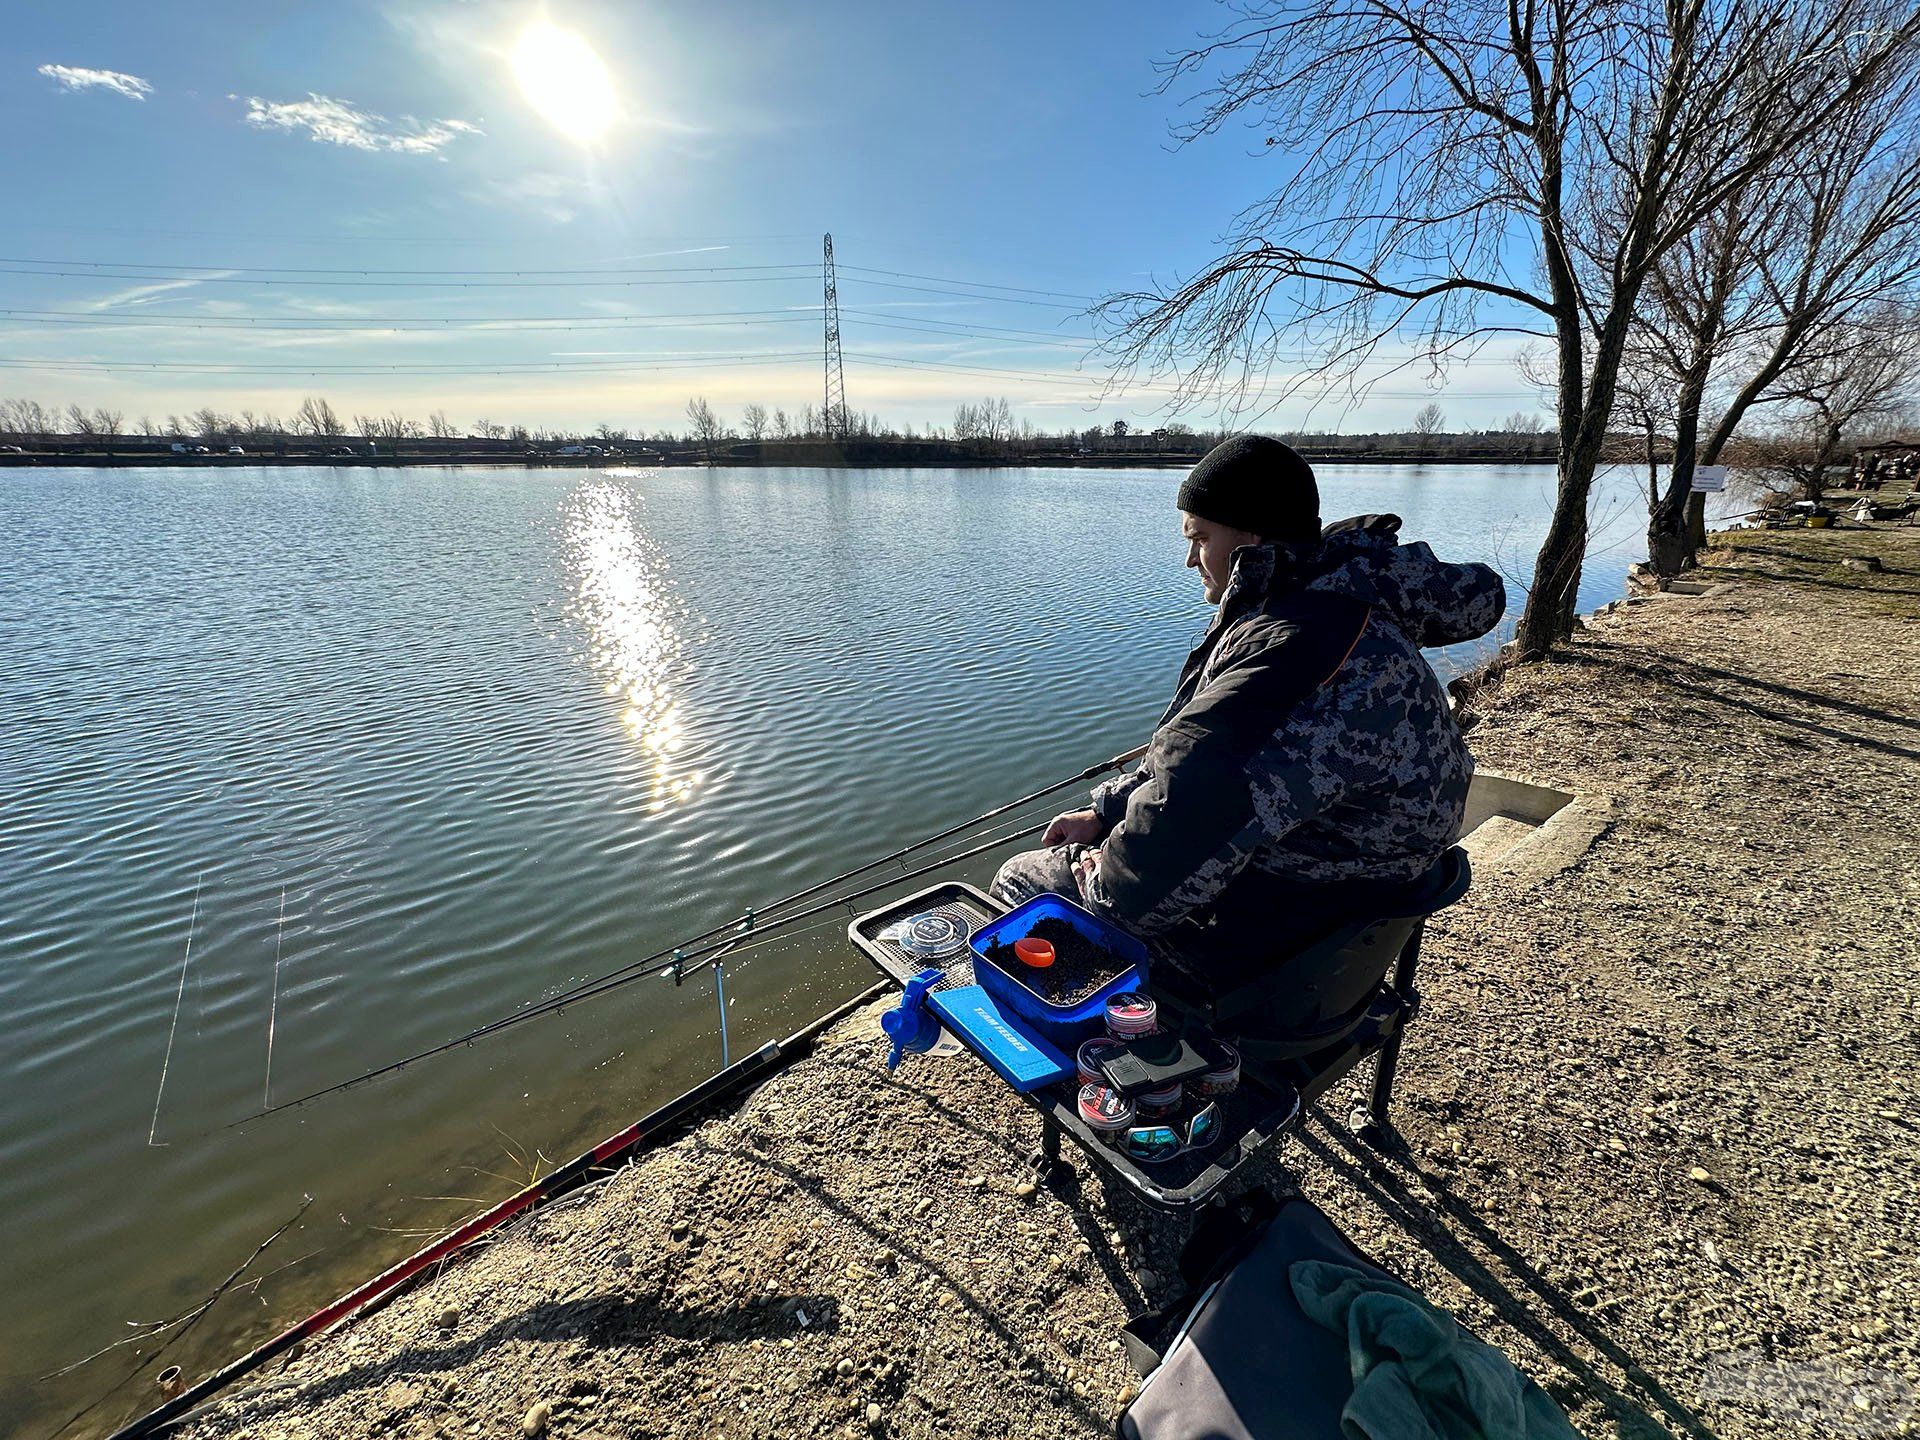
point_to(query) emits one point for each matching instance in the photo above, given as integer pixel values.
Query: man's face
(1210, 550)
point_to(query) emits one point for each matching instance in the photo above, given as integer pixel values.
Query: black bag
(1234, 1358)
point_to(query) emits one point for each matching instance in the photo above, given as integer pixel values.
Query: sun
(565, 81)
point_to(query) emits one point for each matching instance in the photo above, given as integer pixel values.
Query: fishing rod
(1085, 775)
(691, 956)
(622, 1146)
(684, 961)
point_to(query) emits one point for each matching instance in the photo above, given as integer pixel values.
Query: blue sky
(375, 179)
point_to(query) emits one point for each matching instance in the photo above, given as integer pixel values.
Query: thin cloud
(327, 121)
(558, 197)
(148, 293)
(72, 77)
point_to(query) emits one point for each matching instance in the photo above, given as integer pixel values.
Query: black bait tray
(1252, 1118)
(954, 910)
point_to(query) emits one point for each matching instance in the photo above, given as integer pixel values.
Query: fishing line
(273, 1006)
(688, 962)
(699, 951)
(192, 920)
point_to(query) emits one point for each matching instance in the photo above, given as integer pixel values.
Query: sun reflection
(565, 81)
(626, 605)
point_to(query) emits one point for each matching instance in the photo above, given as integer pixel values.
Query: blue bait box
(1064, 1025)
(1020, 1057)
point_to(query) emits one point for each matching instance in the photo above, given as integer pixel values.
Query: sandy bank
(1656, 1120)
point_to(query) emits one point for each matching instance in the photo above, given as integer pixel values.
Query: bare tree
(489, 430)
(79, 422)
(315, 417)
(754, 418)
(1868, 376)
(440, 427)
(706, 424)
(27, 419)
(107, 422)
(1525, 422)
(1476, 167)
(782, 426)
(1782, 271)
(1429, 421)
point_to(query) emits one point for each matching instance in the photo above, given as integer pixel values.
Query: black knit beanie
(1253, 483)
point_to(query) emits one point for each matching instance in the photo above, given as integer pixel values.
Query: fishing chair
(1320, 1011)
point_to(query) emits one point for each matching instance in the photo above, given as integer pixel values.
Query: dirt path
(1657, 1133)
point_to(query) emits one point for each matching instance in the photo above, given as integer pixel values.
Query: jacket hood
(1433, 601)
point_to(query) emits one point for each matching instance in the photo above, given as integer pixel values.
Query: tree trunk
(1548, 617)
(1696, 527)
(1669, 546)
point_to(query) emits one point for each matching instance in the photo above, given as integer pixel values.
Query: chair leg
(1380, 1094)
(1045, 1162)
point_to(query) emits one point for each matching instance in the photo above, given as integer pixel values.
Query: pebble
(449, 1317)
(874, 1416)
(1025, 1189)
(845, 1367)
(538, 1419)
(1699, 1176)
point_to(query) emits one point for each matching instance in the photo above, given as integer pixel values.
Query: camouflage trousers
(1274, 918)
(1050, 872)
(1038, 872)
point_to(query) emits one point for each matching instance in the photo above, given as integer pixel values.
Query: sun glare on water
(565, 81)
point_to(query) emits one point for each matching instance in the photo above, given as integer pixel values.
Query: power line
(964, 295)
(964, 324)
(296, 270)
(428, 324)
(309, 238)
(1081, 346)
(710, 279)
(478, 369)
(975, 284)
(162, 272)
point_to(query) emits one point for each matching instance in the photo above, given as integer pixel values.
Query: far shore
(855, 454)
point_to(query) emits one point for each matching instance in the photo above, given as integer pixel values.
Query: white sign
(1709, 478)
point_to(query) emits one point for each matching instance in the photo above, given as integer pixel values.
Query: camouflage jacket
(1307, 739)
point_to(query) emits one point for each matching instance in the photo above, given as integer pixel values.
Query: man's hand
(1076, 827)
(1084, 869)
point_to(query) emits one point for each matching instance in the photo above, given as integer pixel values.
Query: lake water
(404, 750)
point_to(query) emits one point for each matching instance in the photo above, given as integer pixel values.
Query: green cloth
(1416, 1374)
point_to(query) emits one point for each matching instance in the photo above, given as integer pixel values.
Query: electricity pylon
(835, 419)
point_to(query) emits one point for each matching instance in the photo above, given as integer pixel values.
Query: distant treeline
(985, 433)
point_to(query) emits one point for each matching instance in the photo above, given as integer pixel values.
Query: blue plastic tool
(999, 1037)
(913, 1028)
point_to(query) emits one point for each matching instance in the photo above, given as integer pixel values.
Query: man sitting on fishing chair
(1309, 771)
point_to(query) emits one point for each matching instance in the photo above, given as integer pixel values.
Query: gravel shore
(1654, 1137)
